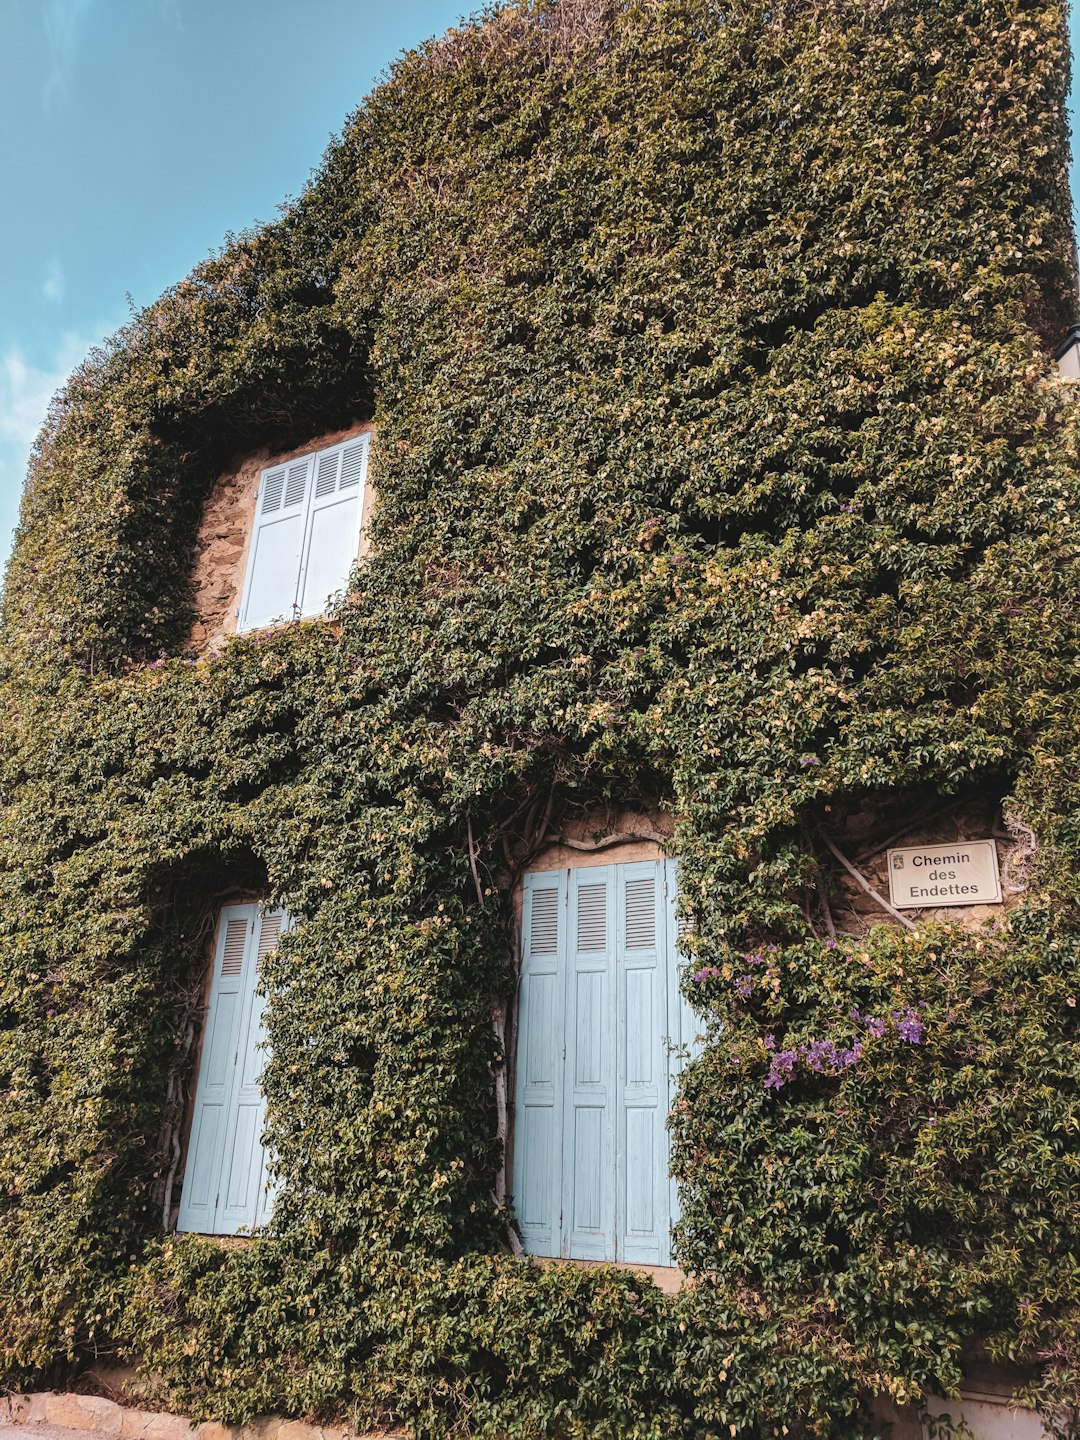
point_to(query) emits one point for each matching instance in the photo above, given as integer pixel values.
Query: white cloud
(63, 21)
(26, 391)
(169, 12)
(53, 286)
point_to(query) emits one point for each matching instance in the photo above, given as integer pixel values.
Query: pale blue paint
(601, 1021)
(225, 1186)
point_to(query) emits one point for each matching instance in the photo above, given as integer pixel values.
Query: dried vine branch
(864, 884)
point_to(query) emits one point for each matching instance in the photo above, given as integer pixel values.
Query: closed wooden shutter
(213, 1092)
(277, 545)
(333, 530)
(539, 1088)
(596, 1063)
(643, 1220)
(589, 1108)
(225, 1181)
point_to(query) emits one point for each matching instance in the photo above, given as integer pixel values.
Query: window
(307, 533)
(225, 1184)
(601, 1017)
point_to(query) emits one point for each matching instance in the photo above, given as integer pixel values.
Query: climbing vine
(721, 470)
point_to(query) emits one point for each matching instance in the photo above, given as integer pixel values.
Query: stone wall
(864, 833)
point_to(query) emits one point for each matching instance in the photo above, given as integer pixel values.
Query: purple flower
(911, 1028)
(830, 944)
(809, 760)
(781, 1069)
(820, 1053)
(849, 1055)
(769, 1042)
(708, 972)
(742, 986)
(874, 1027)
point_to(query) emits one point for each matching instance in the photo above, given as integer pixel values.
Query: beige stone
(214, 1430)
(297, 1430)
(28, 1409)
(84, 1412)
(155, 1425)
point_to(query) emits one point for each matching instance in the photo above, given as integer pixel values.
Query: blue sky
(137, 134)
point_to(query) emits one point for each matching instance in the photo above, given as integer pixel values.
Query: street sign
(961, 872)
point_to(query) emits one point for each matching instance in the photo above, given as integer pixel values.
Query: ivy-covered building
(478, 657)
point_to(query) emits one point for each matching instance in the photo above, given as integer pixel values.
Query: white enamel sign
(961, 872)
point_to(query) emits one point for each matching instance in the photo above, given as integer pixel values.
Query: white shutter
(589, 1107)
(213, 1092)
(538, 1091)
(599, 997)
(333, 530)
(643, 1228)
(225, 1181)
(270, 590)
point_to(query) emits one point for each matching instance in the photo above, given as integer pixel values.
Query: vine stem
(618, 837)
(472, 862)
(861, 880)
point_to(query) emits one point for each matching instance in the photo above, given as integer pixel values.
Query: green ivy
(720, 467)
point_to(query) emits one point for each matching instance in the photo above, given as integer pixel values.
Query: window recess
(602, 1029)
(307, 534)
(226, 1188)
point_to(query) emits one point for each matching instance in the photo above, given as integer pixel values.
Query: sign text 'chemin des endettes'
(962, 872)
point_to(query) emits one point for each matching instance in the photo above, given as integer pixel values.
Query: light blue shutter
(333, 530)
(642, 1172)
(277, 545)
(213, 1091)
(589, 1100)
(244, 1165)
(225, 1182)
(599, 1003)
(539, 1086)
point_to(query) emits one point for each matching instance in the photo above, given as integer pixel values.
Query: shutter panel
(225, 1182)
(270, 591)
(539, 1084)
(333, 531)
(244, 1162)
(214, 1088)
(588, 1110)
(599, 997)
(642, 1171)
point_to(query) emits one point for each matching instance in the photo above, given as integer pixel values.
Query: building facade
(473, 653)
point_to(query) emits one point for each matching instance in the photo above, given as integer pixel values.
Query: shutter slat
(641, 914)
(270, 932)
(592, 917)
(544, 923)
(326, 473)
(273, 490)
(352, 466)
(232, 955)
(296, 486)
